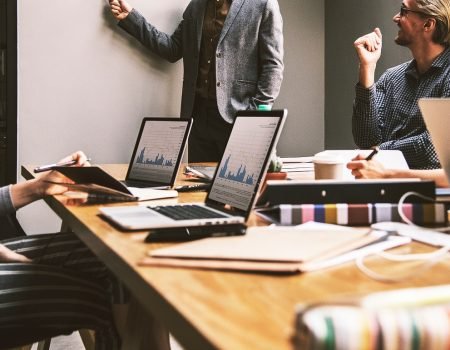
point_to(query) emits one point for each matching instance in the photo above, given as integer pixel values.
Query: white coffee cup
(328, 167)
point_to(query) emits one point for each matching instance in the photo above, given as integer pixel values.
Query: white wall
(85, 84)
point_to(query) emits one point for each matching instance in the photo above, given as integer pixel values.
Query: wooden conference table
(216, 309)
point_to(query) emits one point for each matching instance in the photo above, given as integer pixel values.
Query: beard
(401, 40)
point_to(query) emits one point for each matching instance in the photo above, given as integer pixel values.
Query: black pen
(372, 154)
(48, 167)
(192, 188)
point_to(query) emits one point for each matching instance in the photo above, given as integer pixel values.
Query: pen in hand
(48, 167)
(373, 153)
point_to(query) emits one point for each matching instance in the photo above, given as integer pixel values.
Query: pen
(191, 188)
(48, 167)
(372, 154)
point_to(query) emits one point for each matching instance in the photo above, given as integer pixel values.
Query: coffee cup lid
(327, 159)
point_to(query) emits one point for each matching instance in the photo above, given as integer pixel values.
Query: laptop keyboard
(187, 212)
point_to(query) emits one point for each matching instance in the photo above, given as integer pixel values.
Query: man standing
(232, 53)
(386, 113)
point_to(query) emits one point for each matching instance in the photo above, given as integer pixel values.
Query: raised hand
(120, 8)
(368, 47)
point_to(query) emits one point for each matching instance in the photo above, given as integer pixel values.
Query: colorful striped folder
(354, 214)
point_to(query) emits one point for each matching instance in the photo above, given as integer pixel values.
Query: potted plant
(274, 171)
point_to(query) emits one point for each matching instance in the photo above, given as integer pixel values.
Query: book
(102, 187)
(270, 249)
(354, 214)
(415, 318)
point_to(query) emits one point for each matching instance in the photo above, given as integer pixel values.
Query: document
(267, 249)
(99, 185)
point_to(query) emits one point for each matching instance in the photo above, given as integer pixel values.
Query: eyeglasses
(404, 11)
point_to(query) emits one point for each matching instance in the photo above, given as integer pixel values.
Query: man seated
(386, 113)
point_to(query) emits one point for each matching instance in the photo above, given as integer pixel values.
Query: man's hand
(368, 47)
(8, 256)
(120, 9)
(363, 169)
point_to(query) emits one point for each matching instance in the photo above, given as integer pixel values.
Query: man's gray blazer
(249, 56)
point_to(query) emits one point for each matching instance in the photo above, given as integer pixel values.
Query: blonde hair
(439, 10)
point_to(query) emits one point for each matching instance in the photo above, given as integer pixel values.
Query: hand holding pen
(365, 167)
(75, 159)
(52, 182)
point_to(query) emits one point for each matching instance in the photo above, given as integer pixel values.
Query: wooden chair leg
(44, 344)
(88, 338)
(25, 347)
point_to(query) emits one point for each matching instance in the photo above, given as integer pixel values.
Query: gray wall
(345, 21)
(303, 86)
(84, 84)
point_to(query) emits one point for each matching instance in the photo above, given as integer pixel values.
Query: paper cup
(328, 167)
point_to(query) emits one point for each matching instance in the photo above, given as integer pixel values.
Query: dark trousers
(210, 132)
(64, 289)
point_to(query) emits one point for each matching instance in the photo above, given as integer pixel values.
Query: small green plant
(275, 163)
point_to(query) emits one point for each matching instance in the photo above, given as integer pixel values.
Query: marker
(372, 154)
(48, 167)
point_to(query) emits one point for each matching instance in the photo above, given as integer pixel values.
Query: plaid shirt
(387, 114)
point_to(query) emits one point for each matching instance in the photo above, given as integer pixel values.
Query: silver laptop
(436, 113)
(234, 186)
(158, 152)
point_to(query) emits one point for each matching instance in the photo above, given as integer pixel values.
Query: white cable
(418, 256)
(430, 260)
(409, 222)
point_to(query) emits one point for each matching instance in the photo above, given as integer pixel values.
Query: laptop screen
(158, 151)
(246, 158)
(436, 113)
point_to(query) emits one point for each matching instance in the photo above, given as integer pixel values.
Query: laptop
(158, 153)
(234, 186)
(436, 113)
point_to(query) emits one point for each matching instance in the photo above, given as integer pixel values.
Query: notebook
(158, 152)
(234, 186)
(436, 113)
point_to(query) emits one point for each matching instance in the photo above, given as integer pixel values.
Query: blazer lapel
(234, 10)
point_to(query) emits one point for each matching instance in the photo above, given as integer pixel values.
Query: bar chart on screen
(158, 150)
(243, 161)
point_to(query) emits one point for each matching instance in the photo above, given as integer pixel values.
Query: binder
(351, 192)
(416, 318)
(355, 214)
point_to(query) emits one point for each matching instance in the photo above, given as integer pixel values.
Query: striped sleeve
(6, 205)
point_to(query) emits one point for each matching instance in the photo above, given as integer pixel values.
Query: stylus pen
(48, 167)
(372, 154)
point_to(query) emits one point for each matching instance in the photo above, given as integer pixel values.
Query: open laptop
(436, 113)
(234, 186)
(158, 152)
